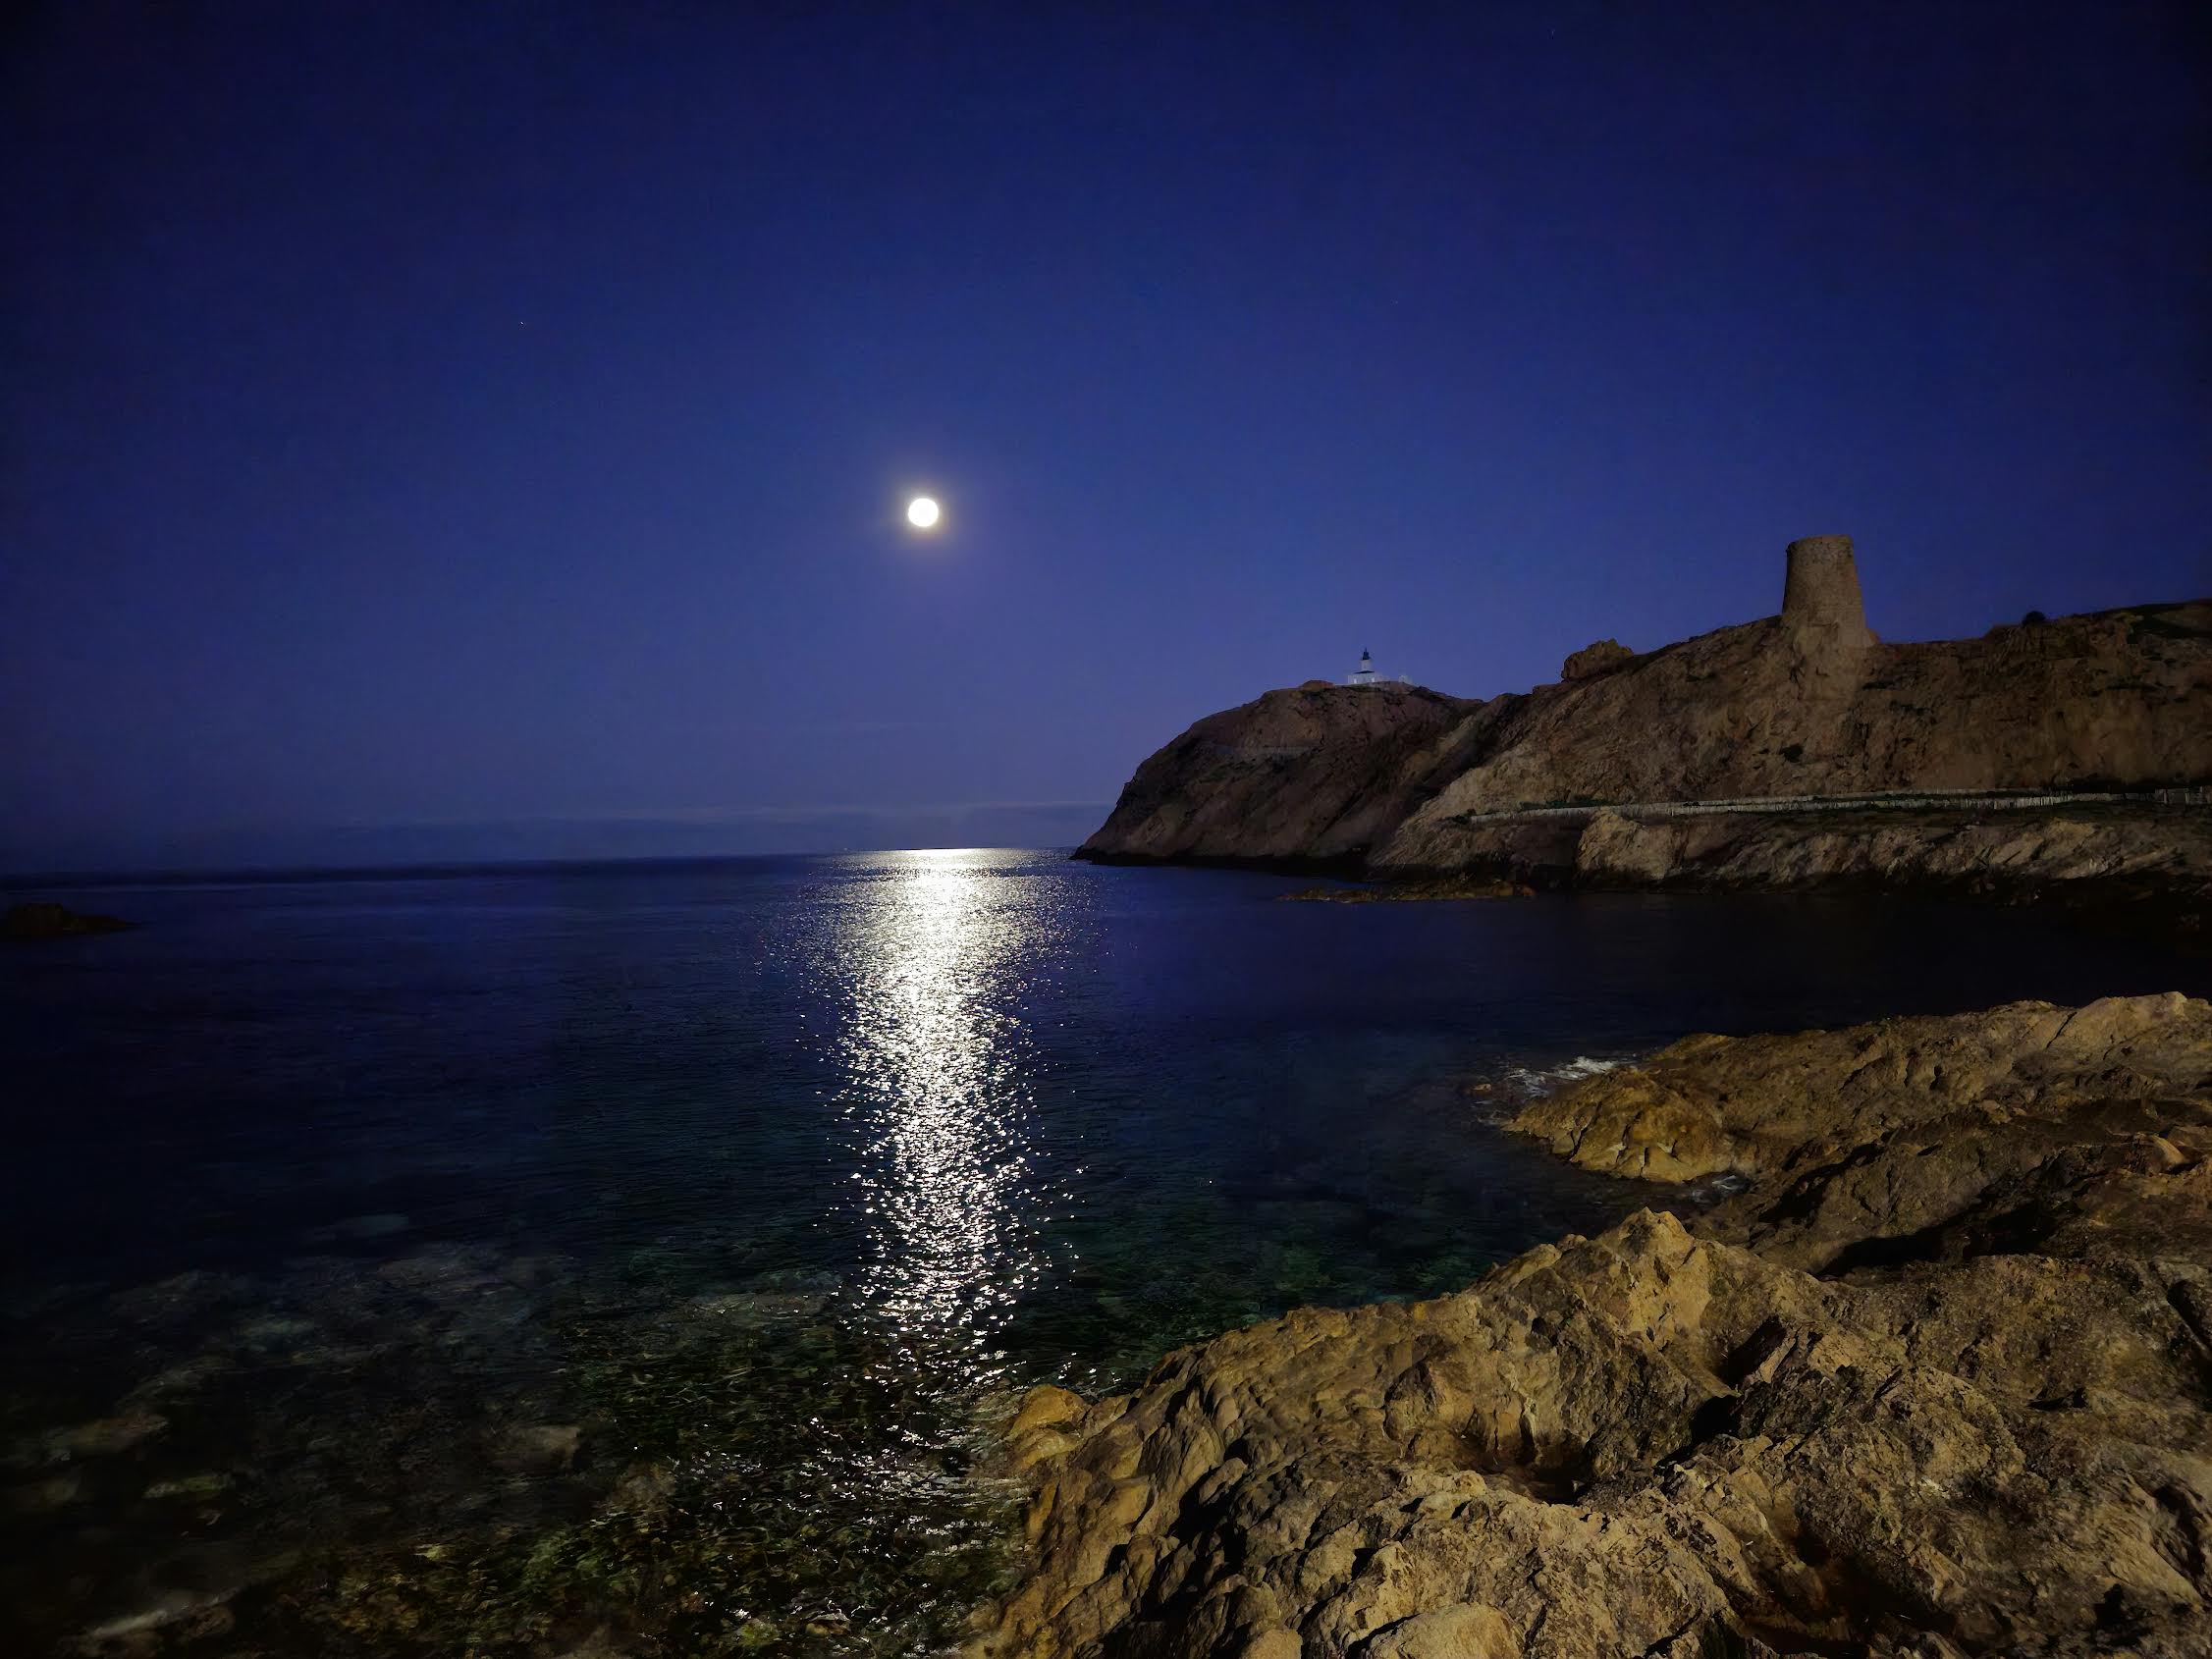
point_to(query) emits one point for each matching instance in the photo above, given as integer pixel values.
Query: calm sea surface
(619, 1258)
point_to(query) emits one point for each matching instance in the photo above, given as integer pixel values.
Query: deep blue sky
(480, 429)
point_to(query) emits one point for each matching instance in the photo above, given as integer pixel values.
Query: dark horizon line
(434, 868)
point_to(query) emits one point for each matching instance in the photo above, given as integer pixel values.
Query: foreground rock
(1936, 1383)
(54, 921)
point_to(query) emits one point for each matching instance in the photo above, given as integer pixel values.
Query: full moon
(922, 513)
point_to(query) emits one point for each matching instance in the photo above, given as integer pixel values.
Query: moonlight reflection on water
(937, 1072)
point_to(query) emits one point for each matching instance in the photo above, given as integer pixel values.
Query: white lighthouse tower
(1364, 674)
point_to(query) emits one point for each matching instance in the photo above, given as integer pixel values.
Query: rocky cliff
(1939, 1382)
(1806, 703)
(1316, 776)
(2120, 699)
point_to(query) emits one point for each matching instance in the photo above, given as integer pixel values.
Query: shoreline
(1932, 1381)
(2136, 864)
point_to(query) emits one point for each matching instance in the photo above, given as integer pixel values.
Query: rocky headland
(1315, 777)
(1924, 1367)
(1792, 751)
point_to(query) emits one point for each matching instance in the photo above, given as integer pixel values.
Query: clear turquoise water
(514, 1261)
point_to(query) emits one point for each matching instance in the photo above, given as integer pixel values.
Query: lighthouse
(1364, 674)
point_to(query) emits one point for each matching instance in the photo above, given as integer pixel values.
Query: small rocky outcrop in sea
(1934, 1385)
(55, 921)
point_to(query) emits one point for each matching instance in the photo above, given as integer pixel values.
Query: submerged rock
(42, 1497)
(108, 1436)
(537, 1448)
(185, 1614)
(1854, 1407)
(192, 1487)
(759, 1306)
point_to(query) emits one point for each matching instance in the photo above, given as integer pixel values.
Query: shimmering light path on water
(933, 964)
(524, 1260)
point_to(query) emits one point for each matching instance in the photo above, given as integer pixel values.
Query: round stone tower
(1820, 604)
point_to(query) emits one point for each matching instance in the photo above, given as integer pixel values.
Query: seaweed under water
(451, 1452)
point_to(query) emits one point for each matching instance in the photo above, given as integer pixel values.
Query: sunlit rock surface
(1934, 1385)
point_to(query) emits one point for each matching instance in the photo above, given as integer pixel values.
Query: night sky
(481, 430)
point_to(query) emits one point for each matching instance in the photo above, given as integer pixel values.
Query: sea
(632, 1259)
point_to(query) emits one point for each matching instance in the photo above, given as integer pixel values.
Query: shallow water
(619, 1258)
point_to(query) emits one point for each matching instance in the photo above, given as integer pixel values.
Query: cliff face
(1807, 703)
(1315, 774)
(2118, 698)
(1934, 1385)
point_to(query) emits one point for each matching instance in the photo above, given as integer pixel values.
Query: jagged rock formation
(1766, 1107)
(1806, 703)
(1937, 1384)
(1594, 659)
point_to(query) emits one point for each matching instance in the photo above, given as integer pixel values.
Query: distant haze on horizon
(449, 432)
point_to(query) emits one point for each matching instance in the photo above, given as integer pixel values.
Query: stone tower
(1822, 609)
